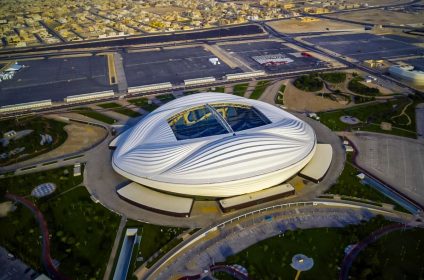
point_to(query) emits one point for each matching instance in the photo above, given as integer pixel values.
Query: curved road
(374, 236)
(217, 242)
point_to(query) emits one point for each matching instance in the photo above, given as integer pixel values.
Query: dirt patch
(80, 137)
(302, 101)
(382, 17)
(297, 26)
(6, 207)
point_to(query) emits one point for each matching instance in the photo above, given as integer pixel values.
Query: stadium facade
(215, 145)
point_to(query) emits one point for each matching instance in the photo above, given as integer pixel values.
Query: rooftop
(215, 119)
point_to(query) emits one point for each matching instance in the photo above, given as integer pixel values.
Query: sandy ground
(6, 207)
(382, 17)
(296, 26)
(301, 101)
(80, 136)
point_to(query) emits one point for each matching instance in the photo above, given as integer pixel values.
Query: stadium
(214, 145)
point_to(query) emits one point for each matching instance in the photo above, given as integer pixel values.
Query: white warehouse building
(214, 144)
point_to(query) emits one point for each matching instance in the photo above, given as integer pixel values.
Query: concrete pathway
(271, 91)
(250, 88)
(234, 237)
(113, 253)
(122, 79)
(119, 117)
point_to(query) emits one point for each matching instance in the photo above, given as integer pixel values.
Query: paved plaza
(398, 161)
(237, 236)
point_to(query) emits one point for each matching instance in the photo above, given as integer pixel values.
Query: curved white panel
(219, 165)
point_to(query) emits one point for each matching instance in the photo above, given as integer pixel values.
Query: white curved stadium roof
(214, 144)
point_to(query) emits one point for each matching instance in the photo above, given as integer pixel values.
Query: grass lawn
(240, 89)
(309, 83)
(82, 232)
(217, 89)
(190, 92)
(355, 85)
(350, 185)
(371, 115)
(88, 112)
(259, 89)
(333, 77)
(398, 255)
(164, 98)
(31, 142)
(119, 109)
(271, 258)
(143, 103)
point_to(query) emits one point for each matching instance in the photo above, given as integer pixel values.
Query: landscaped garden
(240, 89)
(371, 116)
(120, 109)
(398, 255)
(348, 184)
(217, 89)
(271, 258)
(259, 89)
(21, 147)
(310, 83)
(82, 232)
(88, 112)
(355, 85)
(143, 103)
(164, 98)
(333, 77)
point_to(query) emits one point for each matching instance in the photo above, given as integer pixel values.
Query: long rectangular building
(26, 106)
(245, 200)
(152, 87)
(89, 96)
(246, 75)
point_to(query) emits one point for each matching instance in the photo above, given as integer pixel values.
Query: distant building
(373, 63)
(14, 67)
(408, 73)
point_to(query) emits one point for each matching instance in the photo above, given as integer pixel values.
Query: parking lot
(55, 79)
(363, 46)
(416, 62)
(171, 65)
(398, 161)
(245, 52)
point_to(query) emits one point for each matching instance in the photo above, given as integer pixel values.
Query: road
(219, 241)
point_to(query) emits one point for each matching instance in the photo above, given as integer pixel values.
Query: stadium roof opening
(215, 119)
